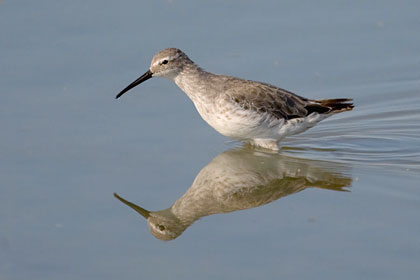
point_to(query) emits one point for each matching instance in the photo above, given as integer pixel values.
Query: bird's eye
(165, 62)
(161, 228)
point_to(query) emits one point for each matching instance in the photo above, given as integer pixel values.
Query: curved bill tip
(135, 207)
(140, 80)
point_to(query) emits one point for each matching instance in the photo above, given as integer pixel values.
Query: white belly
(231, 120)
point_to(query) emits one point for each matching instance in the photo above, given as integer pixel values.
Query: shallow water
(382, 131)
(340, 201)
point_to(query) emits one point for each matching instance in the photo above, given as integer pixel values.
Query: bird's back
(280, 103)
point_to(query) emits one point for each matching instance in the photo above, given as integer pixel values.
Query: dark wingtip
(326, 106)
(339, 104)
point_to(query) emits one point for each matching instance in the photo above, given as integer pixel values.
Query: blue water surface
(67, 145)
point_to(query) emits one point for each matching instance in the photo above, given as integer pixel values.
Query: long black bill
(140, 80)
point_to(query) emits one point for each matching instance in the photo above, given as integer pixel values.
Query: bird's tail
(329, 106)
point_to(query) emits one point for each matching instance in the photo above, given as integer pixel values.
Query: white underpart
(259, 129)
(230, 119)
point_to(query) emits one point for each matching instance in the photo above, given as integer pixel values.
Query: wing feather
(265, 98)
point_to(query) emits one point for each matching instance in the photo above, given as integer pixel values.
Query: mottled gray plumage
(257, 112)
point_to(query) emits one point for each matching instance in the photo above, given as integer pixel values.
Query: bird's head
(167, 63)
(164, 225)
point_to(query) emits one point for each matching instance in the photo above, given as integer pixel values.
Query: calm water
(341, 201)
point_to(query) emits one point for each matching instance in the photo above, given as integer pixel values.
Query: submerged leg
(270, 144)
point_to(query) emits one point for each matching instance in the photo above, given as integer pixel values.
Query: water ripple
(383, 129)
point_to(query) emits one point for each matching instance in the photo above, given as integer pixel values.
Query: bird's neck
(194, 82)
(191, 207)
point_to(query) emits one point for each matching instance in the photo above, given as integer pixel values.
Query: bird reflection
(241, 179)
